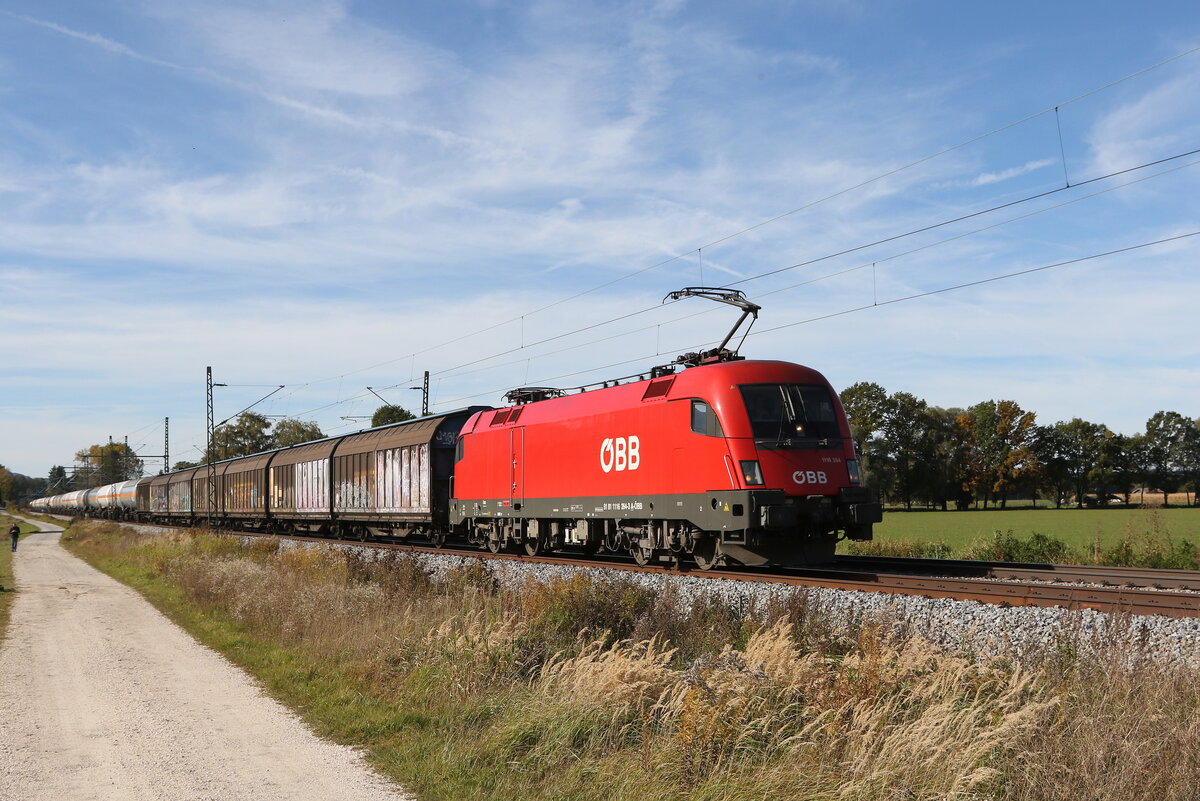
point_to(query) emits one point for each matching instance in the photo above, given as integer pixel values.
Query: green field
(1091, 535)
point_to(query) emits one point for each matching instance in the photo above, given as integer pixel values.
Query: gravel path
(101, 697)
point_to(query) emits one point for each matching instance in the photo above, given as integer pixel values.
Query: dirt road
(101, 697)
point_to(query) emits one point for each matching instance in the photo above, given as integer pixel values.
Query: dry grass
(586, 689)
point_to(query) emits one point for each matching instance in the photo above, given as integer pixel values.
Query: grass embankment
(1132, 537)
(7, 583)
(460, 689)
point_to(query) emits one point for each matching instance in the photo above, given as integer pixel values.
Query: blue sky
(335, 195)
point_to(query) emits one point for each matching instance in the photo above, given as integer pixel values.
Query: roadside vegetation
(1153, 538)
(461, 688)
(7, 584)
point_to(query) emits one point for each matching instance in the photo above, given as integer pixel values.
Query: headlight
(852, 468)
(752, 473)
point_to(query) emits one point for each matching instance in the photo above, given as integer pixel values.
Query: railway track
(1173, 593)
(1032, 571)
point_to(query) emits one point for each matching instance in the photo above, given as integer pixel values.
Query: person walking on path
(14, 532)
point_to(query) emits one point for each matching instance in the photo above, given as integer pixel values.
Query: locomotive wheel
(642, 555)
(533, 547)
(495, 546)
(705, 553)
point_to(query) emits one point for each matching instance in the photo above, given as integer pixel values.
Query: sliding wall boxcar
(398, 475)
(299, 481)
(242, 487)
(386, 472)
(179, 493)
(152, 495)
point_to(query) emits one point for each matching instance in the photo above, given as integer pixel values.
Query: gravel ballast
(980, 630)
(968, 627)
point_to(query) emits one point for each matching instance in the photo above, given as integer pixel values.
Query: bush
(912, 549)
(1007, 547)
(557, 611)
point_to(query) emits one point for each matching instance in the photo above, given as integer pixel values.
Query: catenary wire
(852, 310)
(457, 373)
(756, 226)
(459, 369)
(810, 262)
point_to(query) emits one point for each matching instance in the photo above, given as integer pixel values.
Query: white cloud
(983, 179)
(312, 46)
(103, 42)
(1159, 122)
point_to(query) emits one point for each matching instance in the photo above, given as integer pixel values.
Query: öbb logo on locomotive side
(810, 477)
(620, 453)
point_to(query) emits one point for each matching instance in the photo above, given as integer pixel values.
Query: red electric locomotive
(729, 461)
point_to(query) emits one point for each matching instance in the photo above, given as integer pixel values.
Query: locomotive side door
(516, 484)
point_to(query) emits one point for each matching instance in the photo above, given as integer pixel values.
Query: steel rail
(1104, 575)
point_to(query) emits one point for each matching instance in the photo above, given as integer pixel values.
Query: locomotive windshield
(791, 415)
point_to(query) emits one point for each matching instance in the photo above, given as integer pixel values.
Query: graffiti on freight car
(312, 486)
(402, 479)
(352, 495)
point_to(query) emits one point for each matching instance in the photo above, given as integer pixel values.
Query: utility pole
(424, 394)
(208, 448)
(134, 457)
(212, 468)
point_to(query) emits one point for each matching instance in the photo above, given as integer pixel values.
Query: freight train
(727, 461)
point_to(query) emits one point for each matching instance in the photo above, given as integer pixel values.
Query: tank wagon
(727, 461)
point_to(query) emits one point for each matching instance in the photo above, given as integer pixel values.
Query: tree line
(248, 433)
(917, 454)
(17, 487)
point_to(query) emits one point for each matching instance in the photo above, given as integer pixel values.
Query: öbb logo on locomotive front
(620, 453)
(810, 477)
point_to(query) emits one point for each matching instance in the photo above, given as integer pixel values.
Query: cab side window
(704, 420)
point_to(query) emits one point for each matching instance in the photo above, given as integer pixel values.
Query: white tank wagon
(114, 501)
(71, 503)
